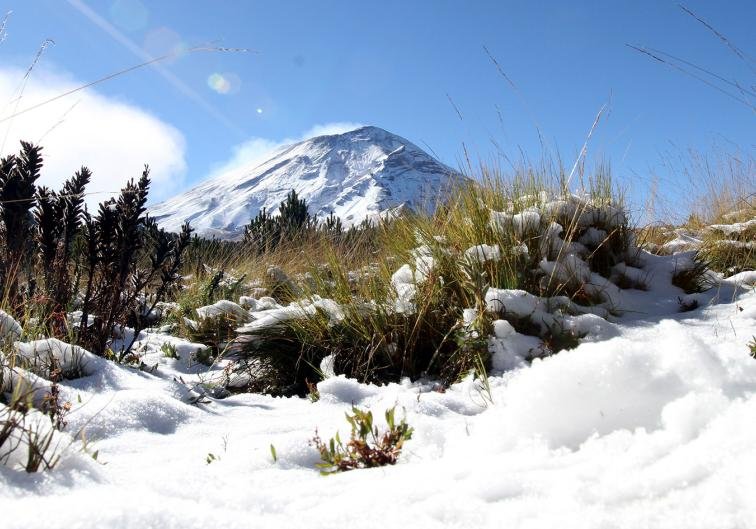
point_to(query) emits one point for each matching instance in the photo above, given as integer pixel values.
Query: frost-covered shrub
(27, 439)
(205, 288)
(692, 275)
(204, 314)
(55, 360)
(215, 327)
(414, 319)
(31, 415)
(730, 248)
(10, 329)
(376, 340)
(722, 230)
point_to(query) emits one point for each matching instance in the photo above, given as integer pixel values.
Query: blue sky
(394, 64)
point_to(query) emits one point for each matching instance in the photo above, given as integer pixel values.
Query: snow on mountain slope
(358, 174)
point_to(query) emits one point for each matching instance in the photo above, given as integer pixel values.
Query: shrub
(122, 263)
(265, 231)
(214, 332)
(206, 287)
(694, 277)
(130, 266)
(18, 174)
(410, 322)
(373, 341)
(294, 216)
(169, 350)
(367, 447)
(731, 248)
(58, 218)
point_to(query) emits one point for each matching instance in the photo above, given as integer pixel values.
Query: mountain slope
(358, 174)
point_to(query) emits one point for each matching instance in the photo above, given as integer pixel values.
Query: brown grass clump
(383, 335)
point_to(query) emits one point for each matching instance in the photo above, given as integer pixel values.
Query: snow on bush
(10, 329)
(225, 309)
(50, 354)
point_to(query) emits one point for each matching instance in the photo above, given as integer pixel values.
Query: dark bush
(116, 265)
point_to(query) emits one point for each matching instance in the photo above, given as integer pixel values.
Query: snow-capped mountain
(358, 174)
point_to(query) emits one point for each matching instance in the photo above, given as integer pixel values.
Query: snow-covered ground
(649, 423)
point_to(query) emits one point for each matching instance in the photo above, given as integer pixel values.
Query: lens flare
(164, 41)
(218, 83)
(224, 83)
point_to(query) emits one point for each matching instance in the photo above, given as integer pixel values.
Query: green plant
(204, 355)
(208, 287)
(367, 447)
(752, 346)
(313, 394)
(169, 350)
(117, 265)
(215, 332)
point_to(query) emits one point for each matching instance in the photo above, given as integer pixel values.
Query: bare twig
(22, 86)
(58, 123)
(517, 93)
(691, 74)
(3, 24)
(734, 84)
(584, 150)
(456, 109)
(745, 58)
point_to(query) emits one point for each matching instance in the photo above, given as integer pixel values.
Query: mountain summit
(359, 174)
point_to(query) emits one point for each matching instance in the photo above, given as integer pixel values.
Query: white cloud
(326, 129)
(111, 137)
(257, 150)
